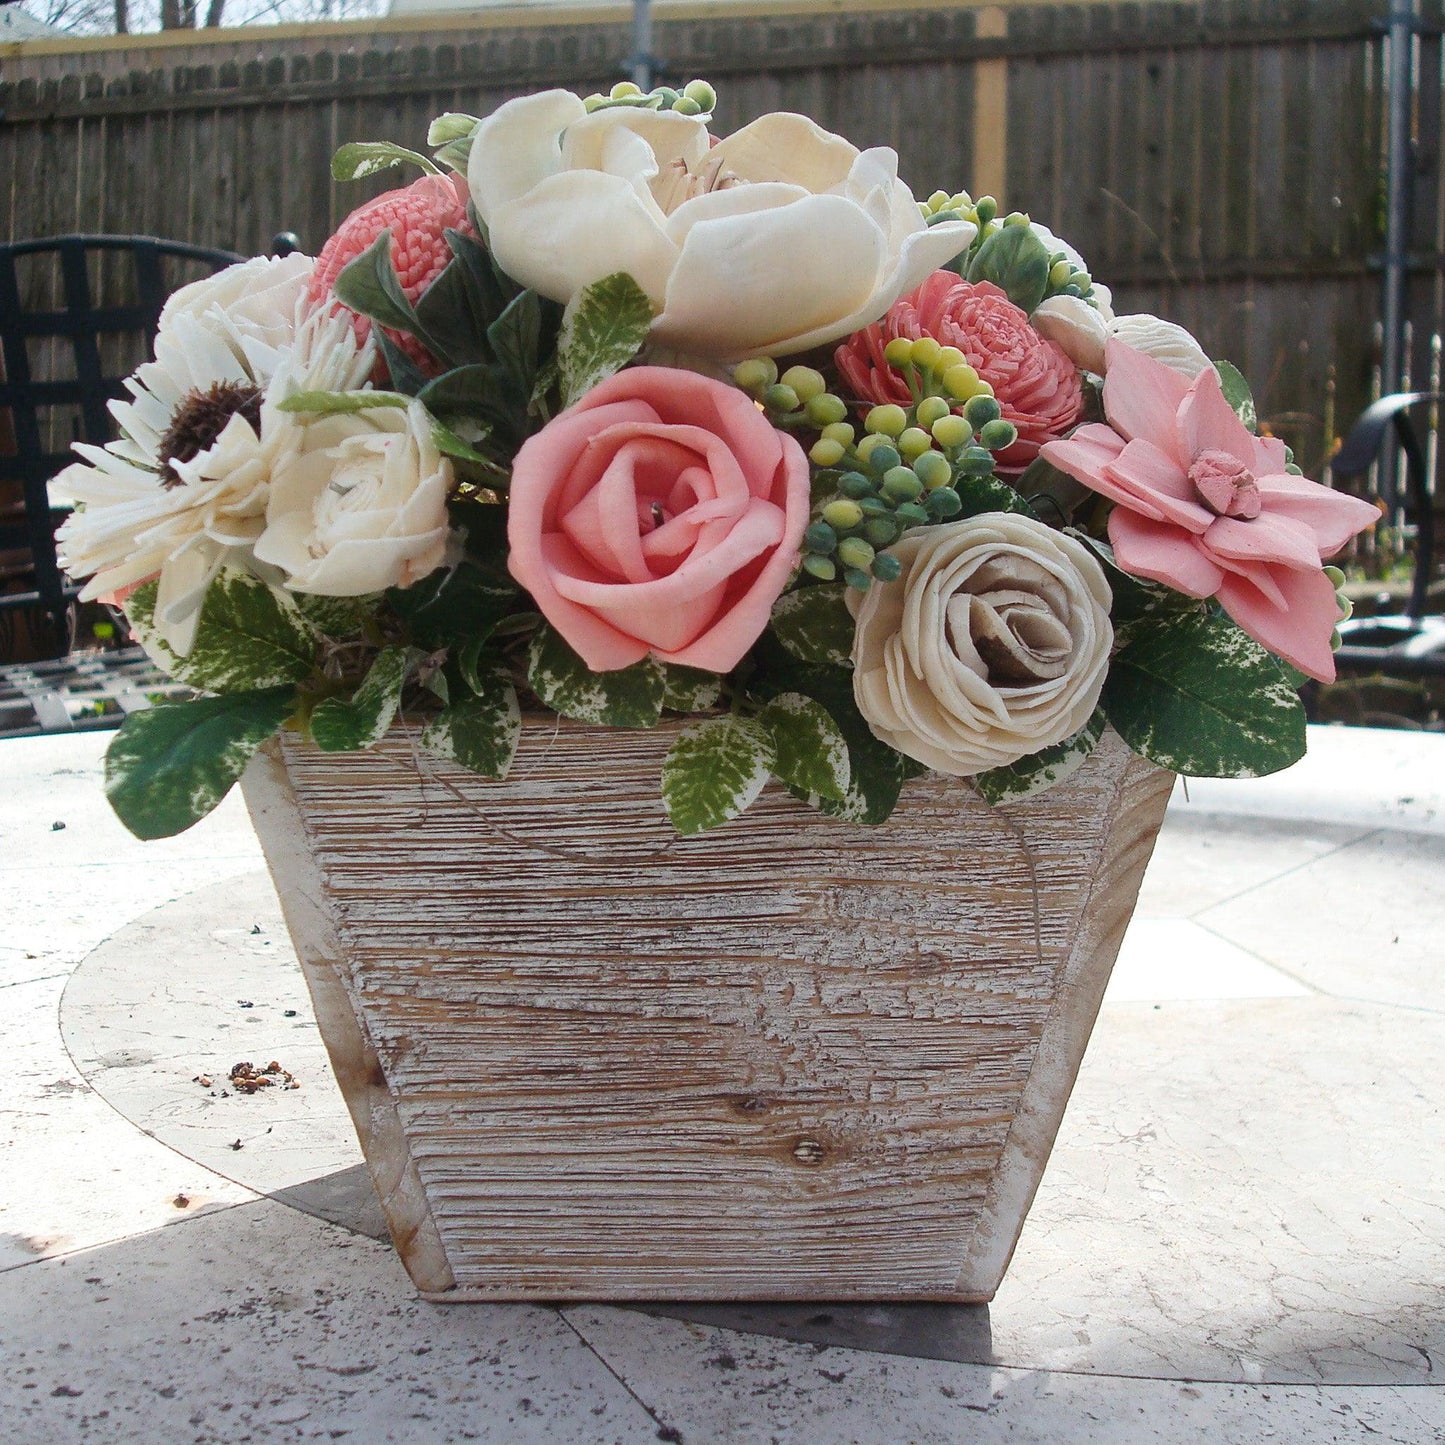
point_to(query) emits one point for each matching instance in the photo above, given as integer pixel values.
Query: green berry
(826, 453)
(943, 504)
(961, 382)
(857, 579)
(820, 537)
(898, 352)
(887, 569)
(625, 89)
(925, 351)
(781, 398)
(881, 459)
(933, 470)
(875, 507)
(869, 445)
(806, 383)
(887, 420)
(1059, 273)
(901, 484)
(976, 462)
(701, 94)
(1347, 608)
(931, 409)
(881, 531)
(685, 105)
(937, 201)
(825, 569)
(757, 375)
(842, 513)
(837, 431)
(980, 410)
(855, 485)
(1337, 577)
(952, 431)
(1336, 641)
(855, 552)
(823, 408)
(914, 442)
(996, 435)
(985, 209)
(911, 514)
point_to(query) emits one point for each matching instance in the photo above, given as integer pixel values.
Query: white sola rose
(361, 506)
(779, 238)
(992, 644)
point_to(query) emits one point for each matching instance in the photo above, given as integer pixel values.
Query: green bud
(820, 537)
(881, 531)
(880, 459)
(1059, 273)
(869, 445)
(961, 382)
(887, 569)
(1336, 576)
(855, 485)
(980, 410)
(665, 95)
(874, 506)
(938, 200)
(1083, 281)
(838, 431)
(842, 513)
(933, 469)
(826, 453)
(911, 514)
(985, 208)
(976, 462)
(952, 431)
(996, 435)
(1336, 641)
(855, 552)
(823, 409)
(684, 105)
(914, 442)
(1016, 218)
(931, 409)
(806, 382)
(757, 375)
(925, 351)
(825, 569)
(887, 420)
(1347, 608)
(943, 504)
(701, 94)
(857, 579)
(625, 89)
(781, 398)
(898, 352)
(901, 484)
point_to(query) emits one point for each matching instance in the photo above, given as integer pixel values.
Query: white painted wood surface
(789, 1059)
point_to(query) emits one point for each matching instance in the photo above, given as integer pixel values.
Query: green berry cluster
(1347, 608)
(697, 97)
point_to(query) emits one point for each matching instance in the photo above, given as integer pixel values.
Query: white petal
(518, 146)
(787, 147)
(599, 141)
(1076, 328)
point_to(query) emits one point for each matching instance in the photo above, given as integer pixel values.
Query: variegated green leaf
(714, 770)
(1237, 393)
(810, 753)
(814, 624)
(362, 158)
(690, 689)
(334, 403)
(603, 328)
(1041, 770)
(480, 733)
(339, 725)
(628, 698)
(449, 127)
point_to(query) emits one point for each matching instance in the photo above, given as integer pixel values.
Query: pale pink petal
(1089, 455)
(1207, 423)
(1333, 517)
(1162, 553)
(602, 647)
(1269, 457)
(1153, 478)
(1270, 538)
(1300, 631)
(1142, 397)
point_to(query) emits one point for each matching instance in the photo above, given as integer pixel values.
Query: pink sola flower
(1204, 506)
(417, 216)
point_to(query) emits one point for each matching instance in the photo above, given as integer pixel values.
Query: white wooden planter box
(789, 1059)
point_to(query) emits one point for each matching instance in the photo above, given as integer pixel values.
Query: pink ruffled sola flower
(1035, 383)
(662, 513)
(417, 216)
(1206, 507)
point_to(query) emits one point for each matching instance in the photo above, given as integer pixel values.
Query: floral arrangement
(607, 417)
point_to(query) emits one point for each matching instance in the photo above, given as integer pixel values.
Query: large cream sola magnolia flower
(992, 644)
(779, 238)
(183, 491)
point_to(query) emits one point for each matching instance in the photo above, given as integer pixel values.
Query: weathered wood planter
(790, 1059)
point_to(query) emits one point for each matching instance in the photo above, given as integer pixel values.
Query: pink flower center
(1225, 485)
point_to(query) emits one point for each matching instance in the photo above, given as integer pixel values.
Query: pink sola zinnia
(417, 215)
(1204, 506)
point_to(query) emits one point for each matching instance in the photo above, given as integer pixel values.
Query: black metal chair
(1411, 644)
(27, 528)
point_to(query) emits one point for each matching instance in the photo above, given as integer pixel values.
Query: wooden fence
(1217, 162)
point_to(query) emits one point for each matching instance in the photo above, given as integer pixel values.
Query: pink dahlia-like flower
(417, 215)
(1036, 385)
(1206, 507)
(662, 513)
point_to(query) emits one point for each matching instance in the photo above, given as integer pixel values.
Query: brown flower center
(676, 184)
(1225, 485)
(201, 418)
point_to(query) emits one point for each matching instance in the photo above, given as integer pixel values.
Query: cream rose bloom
(992, 644)
(361, 506)
(779, 238)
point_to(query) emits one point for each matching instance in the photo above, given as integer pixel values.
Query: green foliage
(170, 765)
(1041, 770)
(603, 328)
(339, 725)
(809, 752)
(453, 606)
(1237, 393)
(714, 770)
(333, 403)
(1193, 693)
(689, 689)
(989, 494)
(814, 624)
(1016, 261)
(631, 697)
(480, 732)
(367, 157)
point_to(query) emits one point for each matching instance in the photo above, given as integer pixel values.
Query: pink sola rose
(662, 513)
(417, 215)
(1206, 507)
(1035, 383)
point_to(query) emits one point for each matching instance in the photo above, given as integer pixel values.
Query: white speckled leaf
(1041, 770)
(690, 689)
(481, 733)
(814, 624)
(628, 698)
(1197, 695)
(714, 770)
(1237, 393)
(341, 726)
(603, 328)
(809, 751)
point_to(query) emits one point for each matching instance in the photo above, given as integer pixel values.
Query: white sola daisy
(183, 491)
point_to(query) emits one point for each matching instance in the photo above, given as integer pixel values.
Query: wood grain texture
(789, 1059)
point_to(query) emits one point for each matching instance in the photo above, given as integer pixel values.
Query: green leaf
(628, 698)
(170, 765)
(809, 752)
(339, 726)
(1041, 770)
(449, 443)
(603, 328)
(456, 155)
(814, 624)
(406, 375)
(1237, 393)
(1135, 598)
(454, 125)
(989, 494)
(1195, 694)
(1014, 259)
(366, 157)
(340, 618)
(1053, 496)
(447, 608)
(481, 733)
(333, 403)
(689, 689)
(248, 636)
(515, 338)
(714, 770)
(369, 284)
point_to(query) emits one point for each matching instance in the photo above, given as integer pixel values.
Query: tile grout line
(664, 1430)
